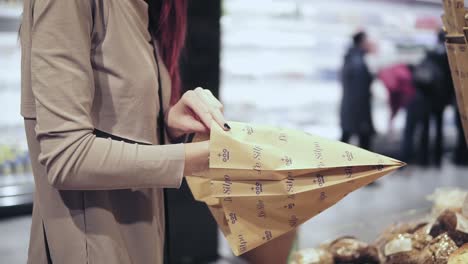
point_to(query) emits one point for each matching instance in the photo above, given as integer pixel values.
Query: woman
(93, 87)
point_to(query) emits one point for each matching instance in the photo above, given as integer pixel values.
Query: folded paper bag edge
(365, 157)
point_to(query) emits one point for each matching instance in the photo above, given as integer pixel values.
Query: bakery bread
(438, 251)
(460, 256)
(312, 256)
(349, 250)
(452, 223)
(402, 228)
(405, 248)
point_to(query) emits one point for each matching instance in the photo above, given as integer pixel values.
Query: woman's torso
(125, 73)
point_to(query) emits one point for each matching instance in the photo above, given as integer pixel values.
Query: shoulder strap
(161, 124)
(162, 141)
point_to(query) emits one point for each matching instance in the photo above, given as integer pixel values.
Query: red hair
(168, 22)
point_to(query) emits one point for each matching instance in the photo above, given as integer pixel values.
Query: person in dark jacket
(439, 99)
(434, 92)
(355, 112)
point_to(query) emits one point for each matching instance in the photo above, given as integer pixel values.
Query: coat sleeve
(63, 87)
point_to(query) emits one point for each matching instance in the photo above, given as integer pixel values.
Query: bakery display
(441, 237)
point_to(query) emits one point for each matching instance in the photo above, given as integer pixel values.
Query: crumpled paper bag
(264, 181)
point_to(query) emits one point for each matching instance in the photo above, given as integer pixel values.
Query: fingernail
(227, 126)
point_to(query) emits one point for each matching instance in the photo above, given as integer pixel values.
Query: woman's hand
(194, 112)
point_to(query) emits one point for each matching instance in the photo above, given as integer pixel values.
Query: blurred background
(281, 62)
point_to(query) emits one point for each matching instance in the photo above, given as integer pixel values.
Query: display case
(16, 180)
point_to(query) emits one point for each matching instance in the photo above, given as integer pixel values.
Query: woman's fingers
(218, 111)
(195, 103)
(195, 126)
(214, 101)
(219, 118)
(214, 107)
(208, 98)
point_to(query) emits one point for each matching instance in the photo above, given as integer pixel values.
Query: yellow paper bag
(264, 181)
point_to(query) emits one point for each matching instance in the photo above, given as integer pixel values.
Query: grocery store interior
(279, 63)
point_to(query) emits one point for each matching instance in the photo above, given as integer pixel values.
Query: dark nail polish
(227, 126)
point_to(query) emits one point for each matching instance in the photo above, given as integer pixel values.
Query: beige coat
(89, 64)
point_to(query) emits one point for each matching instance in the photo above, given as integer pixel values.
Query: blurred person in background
(398, 81)
(434, 92)
(356, 79)
(100, 97)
